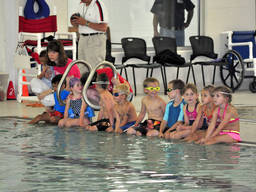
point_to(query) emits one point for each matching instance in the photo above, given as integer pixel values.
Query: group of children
(213, 120)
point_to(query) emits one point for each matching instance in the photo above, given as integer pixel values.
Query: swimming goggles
(153, 88)
(117, 94)
(169, 90)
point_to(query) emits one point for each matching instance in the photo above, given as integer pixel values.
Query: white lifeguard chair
(31, 34)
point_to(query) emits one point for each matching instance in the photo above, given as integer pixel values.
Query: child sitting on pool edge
(42, 85)
(125, 109)
(173, 115)
(225, 123)
(108, 117)
(191, 112)
(53, 116)
(77, 112)
(152, 105)
(204, 114)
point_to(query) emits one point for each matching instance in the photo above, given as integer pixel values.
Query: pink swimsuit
(191, 115)
(233, 134)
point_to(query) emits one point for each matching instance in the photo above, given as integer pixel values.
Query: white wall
(9, 31)
(8, 38)
(227, 15)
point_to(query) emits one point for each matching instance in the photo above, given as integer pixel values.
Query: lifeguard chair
(32, 34)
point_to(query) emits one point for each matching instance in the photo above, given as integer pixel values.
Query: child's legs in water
(152, 133)
(54, 119)
(72, 122)
(42, 117)
(109, 129)
(180, 134)
(62, 122)
(92, 128)
(220, 139)
(131, 131)
(195, 136)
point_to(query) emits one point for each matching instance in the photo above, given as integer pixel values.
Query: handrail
(89, 79)
(65, 75)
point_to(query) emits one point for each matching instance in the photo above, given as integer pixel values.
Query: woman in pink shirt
(59, 60)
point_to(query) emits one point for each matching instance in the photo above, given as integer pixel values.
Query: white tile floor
(244, 100)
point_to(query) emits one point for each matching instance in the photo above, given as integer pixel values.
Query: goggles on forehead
(153, 88)
(101, 82)
(225, 93)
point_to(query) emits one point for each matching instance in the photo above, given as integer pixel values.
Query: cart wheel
(252, 86)
(232, 73)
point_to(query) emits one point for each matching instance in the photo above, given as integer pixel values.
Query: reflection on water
(46, 158)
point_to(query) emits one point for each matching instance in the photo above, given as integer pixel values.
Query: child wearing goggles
(153, 106)
(173, 115)
(124, 108)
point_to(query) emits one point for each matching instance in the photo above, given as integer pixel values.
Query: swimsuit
(191, 115)
(143, 129)
(56, 114)
(75, 108)
(173, 113)
(102, 124)
(232, 120)
(233, 134)
(127, 125)
(207, 119)
(76, 105)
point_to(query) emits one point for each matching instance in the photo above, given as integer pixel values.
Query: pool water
(47, 158)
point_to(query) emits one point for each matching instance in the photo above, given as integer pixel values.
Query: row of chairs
(135, 48)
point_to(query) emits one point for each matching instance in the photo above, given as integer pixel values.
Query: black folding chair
(168, 43)
(112, 59)
(204, 46)
(135, 48)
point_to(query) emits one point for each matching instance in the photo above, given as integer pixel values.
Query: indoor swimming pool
(47, 158)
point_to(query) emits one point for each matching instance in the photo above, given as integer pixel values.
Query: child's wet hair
(57, 78)
(149, 80)
(122, 88)
(225, 91)
(192, 87)
(73, 81)
(178, 84)
(210, 89)
(103, 78)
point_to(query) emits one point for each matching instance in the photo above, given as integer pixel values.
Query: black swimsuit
(75, 105)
